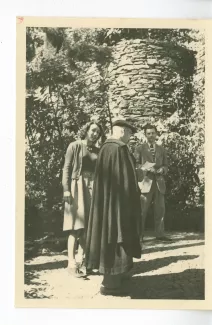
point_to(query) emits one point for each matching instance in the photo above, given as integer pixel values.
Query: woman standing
(78, 171)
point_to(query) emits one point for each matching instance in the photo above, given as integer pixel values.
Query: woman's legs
(81, 251)
(71, 250)
(75, 260)
(81, 248)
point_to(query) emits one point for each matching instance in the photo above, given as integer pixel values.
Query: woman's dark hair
(149, 127)
(84, 130)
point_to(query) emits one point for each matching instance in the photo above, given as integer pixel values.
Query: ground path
(165, 271)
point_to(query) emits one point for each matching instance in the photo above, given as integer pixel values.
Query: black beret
(124, 123)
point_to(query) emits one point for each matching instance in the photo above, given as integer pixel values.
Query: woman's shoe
(82, 269)
(76, 272)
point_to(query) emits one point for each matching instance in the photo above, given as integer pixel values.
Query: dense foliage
(59, 102)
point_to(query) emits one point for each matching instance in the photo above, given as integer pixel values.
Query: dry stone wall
(145, 77)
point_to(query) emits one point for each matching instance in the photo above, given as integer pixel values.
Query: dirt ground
(165, 271)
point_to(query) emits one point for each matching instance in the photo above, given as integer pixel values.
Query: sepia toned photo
(111, 125)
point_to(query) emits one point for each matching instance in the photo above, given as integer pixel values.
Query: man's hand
(140, 185)
(67, 197)
(151, 170)
(160, 171)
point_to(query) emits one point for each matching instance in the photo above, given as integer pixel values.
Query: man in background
(152, 166)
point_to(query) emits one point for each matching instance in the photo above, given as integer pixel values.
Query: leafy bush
(61, 97)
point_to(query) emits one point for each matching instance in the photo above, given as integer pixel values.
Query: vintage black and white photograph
(114, 164)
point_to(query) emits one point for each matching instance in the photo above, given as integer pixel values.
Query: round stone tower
(149, 78)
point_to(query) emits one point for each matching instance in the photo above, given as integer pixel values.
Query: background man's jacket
(142, 155)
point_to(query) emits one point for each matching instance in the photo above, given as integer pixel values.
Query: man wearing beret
(113, 229)
(152, 164)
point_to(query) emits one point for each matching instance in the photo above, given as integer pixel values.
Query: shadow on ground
(32, 279)
(156, 248)
(37, 289)
(46, 266)
(189, 236)
(187, 285)
(157, 263)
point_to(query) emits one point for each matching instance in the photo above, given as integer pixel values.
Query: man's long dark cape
(115, 207)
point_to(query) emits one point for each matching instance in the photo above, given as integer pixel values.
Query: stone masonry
(145, 76)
